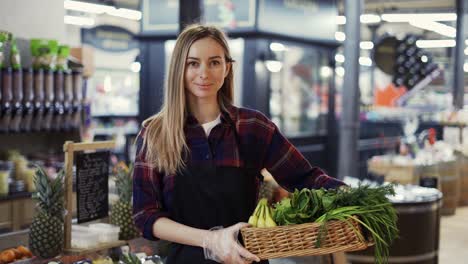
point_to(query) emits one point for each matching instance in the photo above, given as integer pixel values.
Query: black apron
(206, 196)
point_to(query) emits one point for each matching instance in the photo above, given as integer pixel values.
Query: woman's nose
(203, 71)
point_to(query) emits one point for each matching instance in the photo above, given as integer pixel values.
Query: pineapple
(121, 212)
(46, 230)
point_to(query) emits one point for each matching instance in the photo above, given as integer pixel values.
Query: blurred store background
(107, 59)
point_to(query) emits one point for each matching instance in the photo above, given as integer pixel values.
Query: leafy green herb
(368, 206)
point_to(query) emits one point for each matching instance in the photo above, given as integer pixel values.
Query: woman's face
(205, 69)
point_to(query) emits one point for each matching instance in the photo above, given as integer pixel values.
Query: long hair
(164, 139)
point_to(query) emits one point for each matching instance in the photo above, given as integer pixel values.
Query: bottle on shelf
(59, 112)
(49, 96)
(28, 99)
(38, 99)
(17, 106)
(7, 97)
(68, 100)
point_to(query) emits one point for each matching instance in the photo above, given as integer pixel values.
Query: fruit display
(46, 231)
(121, 212)
(14, 254)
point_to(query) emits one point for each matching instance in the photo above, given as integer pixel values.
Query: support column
(190, 11)
(349, 121)
(459, 56)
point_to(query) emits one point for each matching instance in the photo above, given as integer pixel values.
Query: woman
(195, 174)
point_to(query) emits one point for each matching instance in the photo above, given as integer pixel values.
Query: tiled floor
(453, 247)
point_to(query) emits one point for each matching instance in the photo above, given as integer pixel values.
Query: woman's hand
(221, 245)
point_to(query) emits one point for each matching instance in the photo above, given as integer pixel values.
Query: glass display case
(114, 92)
(299, 84)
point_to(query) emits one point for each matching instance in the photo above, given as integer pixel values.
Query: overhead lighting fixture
(101, 9)
(365, 19)
(339, 58)
(439, 43)
(419, 16)
(275, 46)
(465, 67)
(135, 66)
(437, 27)
(366, 45)
(78, 21)
(340, 36)
(340, 20)
(370, 19)
(86, 7)
(365, 61)
(325, 72)
(125, 13)
(274, 66)
(466, 51)
(340, 71)
(424, 58)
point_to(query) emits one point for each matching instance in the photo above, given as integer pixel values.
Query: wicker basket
(300, 240)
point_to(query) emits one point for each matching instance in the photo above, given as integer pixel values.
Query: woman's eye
(193, 63)
(215, 63)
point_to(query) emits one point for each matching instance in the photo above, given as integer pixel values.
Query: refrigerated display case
(299, 82)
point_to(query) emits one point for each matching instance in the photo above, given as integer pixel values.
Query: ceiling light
(340, 71)
(365, 61)
(420, 16)
(366, 45)
(436, 27)
(78, 21)
(86, 7)
(275, 46)
(370, 19)
(325, 72)
(135, 66)
(340, 20)
(465, 67)
(424, 58)
(339, 58)
(273, 66)
(365, 19)
(439, 43)
(340, 36)
(466, 51)
(125, 13)
(101, 9)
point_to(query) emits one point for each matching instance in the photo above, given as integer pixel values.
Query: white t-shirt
(209, 126)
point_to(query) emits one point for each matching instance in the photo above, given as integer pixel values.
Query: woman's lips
(203, 86)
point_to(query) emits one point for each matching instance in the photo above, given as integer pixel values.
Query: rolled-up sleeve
(290, 168)
(147, 192)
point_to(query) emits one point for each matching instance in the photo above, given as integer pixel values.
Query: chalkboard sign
(92, 174)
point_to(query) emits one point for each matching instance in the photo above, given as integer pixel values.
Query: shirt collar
(231, 114)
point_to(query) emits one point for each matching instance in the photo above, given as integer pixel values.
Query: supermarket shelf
(114, 130)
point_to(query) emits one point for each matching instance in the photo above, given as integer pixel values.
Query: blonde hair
(164, 139)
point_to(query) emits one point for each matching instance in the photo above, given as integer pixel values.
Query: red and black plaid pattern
(263, 146)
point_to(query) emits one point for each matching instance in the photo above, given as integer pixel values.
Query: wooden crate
(446, 178)
(463, 171)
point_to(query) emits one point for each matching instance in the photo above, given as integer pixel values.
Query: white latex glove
(222, 246)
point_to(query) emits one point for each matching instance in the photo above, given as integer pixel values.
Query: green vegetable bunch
(368, 206)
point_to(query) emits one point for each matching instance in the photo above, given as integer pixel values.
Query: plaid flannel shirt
(264, 146)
